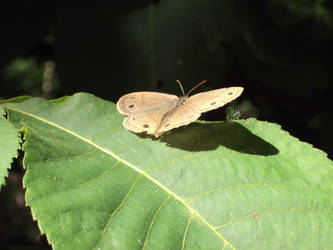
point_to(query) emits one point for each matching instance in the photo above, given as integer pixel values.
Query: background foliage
(280, 51)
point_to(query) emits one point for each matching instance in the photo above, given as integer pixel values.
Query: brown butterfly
(156, 113)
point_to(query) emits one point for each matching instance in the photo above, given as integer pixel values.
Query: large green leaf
(9, 144)
(244, 184)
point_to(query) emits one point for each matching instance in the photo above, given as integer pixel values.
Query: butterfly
(156, 113)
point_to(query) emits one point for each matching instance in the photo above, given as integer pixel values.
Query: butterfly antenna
(204, 81)
(181, 87)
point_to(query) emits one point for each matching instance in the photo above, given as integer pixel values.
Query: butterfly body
(181, 100)
(156, 113)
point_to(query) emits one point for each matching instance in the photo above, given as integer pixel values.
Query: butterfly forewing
(213, 99)
(144, 101)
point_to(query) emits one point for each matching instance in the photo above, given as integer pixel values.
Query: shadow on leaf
(209, 136)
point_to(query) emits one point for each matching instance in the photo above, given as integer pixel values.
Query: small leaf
(244, 184)
(9, 144)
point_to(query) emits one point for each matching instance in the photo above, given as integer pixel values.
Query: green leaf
(9, 144)
(15, 99)
(244, 184)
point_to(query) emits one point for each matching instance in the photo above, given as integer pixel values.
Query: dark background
(280, 51)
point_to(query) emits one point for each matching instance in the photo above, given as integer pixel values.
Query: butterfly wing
(155, 113)
(179, 116)
(147, 121)
(213, 99)
(144, 101)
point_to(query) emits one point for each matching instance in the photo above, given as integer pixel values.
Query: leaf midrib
(112, 154)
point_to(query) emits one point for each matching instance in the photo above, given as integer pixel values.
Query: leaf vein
(127, 163)
(154, 218)
(186, 231)
(118, 208)
(293, 209)
(231, 187)
(72, 156)
(109, 131)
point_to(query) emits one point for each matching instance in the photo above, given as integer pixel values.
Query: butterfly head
(182, 100)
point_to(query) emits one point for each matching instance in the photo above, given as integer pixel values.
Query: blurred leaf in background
(27, 75)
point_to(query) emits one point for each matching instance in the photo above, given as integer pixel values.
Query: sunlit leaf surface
(245, 184)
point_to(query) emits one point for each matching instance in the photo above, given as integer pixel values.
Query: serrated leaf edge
(143, 173)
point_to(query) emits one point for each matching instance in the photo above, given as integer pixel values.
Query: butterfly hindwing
(147, 121)
(179, 116)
